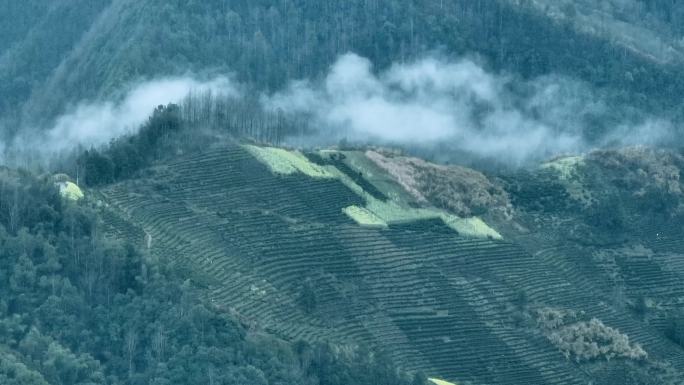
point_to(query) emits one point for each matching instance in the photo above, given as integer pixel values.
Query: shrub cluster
(586, 340)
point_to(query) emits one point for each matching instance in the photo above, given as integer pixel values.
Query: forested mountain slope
(36, 37)
(564, 274)
(81, 308)
(267, 44)
(216, 244)
(651, 28)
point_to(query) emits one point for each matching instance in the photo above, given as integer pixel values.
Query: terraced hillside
(330, 246)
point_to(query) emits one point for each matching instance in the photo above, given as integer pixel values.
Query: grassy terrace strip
(471, 227)
(364, 217)
(377, 212)
(437, 381)
(285, 162)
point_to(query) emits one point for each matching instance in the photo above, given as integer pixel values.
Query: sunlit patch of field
(437, 381)
(471, 227)
(71, 191)
(364, 217)
(285, 162)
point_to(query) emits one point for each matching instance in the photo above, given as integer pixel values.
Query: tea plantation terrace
(311, 246)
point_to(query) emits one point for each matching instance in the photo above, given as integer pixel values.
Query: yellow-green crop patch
(285, 162)
(396, 212)
(71, 191)
(393, 212)
(437, 381)
(471, 227)
(364, 217)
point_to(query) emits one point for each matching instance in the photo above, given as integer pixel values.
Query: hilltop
(561, 274)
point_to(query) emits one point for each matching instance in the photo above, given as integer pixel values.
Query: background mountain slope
(647, 27)
(268, 44)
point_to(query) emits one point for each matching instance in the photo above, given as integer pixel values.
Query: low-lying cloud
(96, 123)
(456, 106)
(437, 101)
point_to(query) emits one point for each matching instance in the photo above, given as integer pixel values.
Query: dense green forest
(266, 44)
(661, 15)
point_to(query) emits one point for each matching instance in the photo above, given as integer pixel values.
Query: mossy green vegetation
(471, 227)
(71, 191)
(566, 167)
(568, 170)
(437, 381)
(15, 372)
(364, 217)
(285, 162)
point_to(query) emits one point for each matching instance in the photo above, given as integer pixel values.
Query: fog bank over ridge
(435, 100)
(431, 102)
(96, 123)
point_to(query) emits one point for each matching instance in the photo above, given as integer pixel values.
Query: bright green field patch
(71, 191)
(364, 217)
(285, 162)
(437, 381)
(471, 227)
(393, 211)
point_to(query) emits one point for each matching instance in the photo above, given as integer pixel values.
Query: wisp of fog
(455, 104)
(96, 123)
(435, 101)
